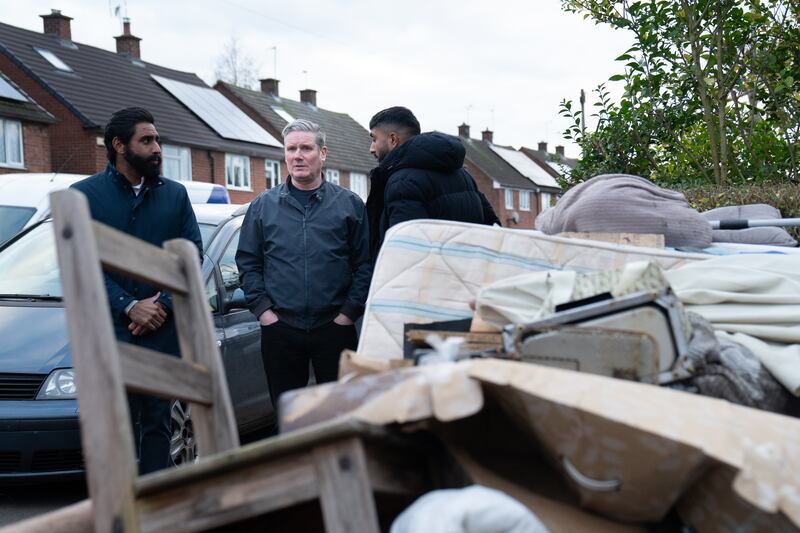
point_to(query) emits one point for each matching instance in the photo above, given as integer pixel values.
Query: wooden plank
(261, 451)
(139, 260)
(150, 372)
(344, 487)
(231, 495)
(214, 425)
(106, 433)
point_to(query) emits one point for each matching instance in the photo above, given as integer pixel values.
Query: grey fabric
(732, 372)
(621, 203)
(772, 236)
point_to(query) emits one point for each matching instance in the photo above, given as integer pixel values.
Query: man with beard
(131, 196)
(419, 175)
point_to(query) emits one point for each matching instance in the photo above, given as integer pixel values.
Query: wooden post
(105, 421)
(344, 488)
(215, 425)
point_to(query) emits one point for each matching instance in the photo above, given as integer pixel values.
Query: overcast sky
(502, 64)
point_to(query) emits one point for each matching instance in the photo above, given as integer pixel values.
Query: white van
(25, 198)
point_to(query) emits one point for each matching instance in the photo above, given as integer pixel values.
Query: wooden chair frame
(341, 464)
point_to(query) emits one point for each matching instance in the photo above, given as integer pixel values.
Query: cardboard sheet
(633, 450)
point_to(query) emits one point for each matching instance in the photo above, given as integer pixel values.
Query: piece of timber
(344, 487)
(106, 434)
(214, 425)
(157, 374)
(139, 260)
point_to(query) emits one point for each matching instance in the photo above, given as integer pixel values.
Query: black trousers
(150, 418)
(286, 352)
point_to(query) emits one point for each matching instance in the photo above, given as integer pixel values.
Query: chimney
(463, 130)
(57, 24)
(270, 86)
(543, 147)
(309, 96)
(487, 135)
(560, 150)
(128, 44)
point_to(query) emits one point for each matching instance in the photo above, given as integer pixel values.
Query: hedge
(784, 196)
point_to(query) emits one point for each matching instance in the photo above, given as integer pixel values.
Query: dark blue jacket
(308, 265)
(424, 178)
(160, 212)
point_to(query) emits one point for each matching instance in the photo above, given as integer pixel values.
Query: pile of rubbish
(581, 384)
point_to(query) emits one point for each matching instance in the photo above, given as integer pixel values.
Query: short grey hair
(302, 124)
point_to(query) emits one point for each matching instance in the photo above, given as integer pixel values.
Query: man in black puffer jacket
(419, 175)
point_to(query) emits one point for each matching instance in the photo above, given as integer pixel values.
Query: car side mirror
(237, 301)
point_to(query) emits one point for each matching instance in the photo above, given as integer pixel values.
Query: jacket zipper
(305, 266)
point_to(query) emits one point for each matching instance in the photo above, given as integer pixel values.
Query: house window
(332, 176)
(546, 199)
(237, 172)
(11, 143)
(358, 184)
(509, 199)
(177, 162)
(524, 200)
(53, 59)
(272, 169)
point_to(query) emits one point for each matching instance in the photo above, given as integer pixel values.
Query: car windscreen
(206, 231)
(12, 219)
(29, 265)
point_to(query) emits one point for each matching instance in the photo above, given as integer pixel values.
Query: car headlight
(59, 385)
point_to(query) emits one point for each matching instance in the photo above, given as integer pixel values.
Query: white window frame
(509, 194)
(332, 176)
(358, 184)
(546, 200)
(5, 127)
(183, 156)
(232, 162)
(524, 200)
(272, 172)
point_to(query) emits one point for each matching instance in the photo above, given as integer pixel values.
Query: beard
(149, 167)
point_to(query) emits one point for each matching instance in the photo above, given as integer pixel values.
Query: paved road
(20, 502)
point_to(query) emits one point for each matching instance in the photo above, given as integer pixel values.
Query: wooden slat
(344, 488)
(233, 494)
(149, 372)
(106, 433)
(214, 426)
(139, 260)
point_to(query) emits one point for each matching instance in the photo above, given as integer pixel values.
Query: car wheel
(183, 447)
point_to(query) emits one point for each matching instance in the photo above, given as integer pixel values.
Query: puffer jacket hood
(427, 151)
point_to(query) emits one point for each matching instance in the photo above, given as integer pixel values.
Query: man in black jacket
(130, 195)
(419, 175)
(303, 259)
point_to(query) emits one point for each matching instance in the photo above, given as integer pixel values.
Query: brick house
(556, 164)
(513, 196)
(349, 161)
(81, 86)
(24, 135)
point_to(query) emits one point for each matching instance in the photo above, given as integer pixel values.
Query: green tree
(711, 92)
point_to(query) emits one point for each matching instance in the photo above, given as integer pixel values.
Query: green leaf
(617, 77)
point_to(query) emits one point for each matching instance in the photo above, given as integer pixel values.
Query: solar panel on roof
(8, 91)
(218, 112)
